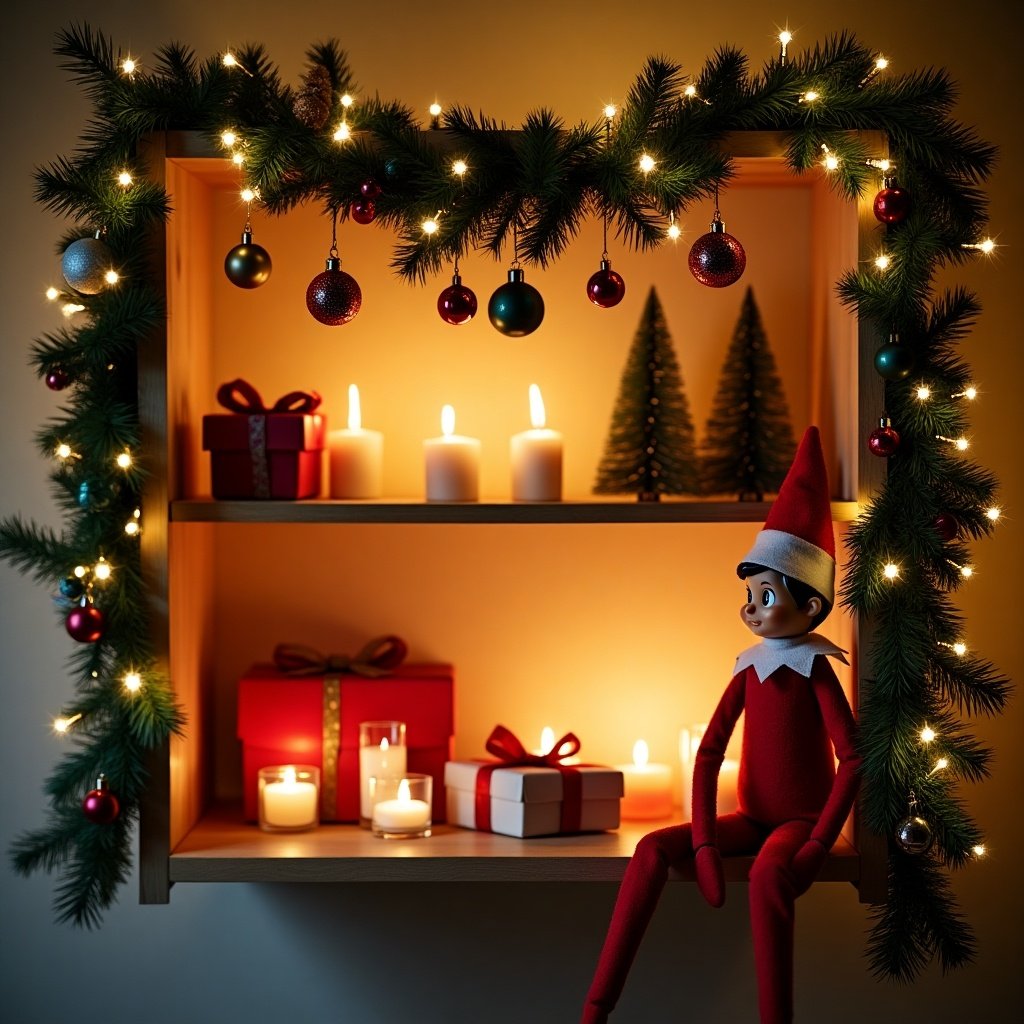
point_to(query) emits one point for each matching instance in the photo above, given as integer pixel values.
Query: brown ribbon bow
(377, 657)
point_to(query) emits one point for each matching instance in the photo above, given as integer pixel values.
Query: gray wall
(478, 953)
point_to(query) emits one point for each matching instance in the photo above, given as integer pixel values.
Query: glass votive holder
(401, 807)
(289, 797)
(382, 754)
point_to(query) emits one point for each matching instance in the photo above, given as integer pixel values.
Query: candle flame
(547, 739)
(384, 744)
(447, 420)
(537, 417)
(404, 793)
(290, 777)
(640, 753)
(355, 413)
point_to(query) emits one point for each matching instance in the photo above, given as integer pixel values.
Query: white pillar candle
(452, 463)
(388, 760)
(536, 457)
(356, 455)
(403, 813)
(647, 787)
(289, 803)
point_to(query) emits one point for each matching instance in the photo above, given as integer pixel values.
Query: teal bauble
(85, 264)
(516, 308)
(893, 361)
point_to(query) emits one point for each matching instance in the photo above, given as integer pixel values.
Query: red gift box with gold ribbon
(522, 794)
(258, 451)
(306, 707)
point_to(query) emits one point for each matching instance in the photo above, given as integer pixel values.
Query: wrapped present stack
(306, 707)
(265, 452)
(522, 794)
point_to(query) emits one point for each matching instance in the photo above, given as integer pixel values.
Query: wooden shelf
(222, 848)
(322, 510)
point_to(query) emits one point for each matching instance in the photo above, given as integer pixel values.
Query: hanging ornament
(247, 265)
(94, 496)
(85, 264)
(100, 806)
(892, 204)
(516, 308)
(884, 439)
(363, 211)
(893, 361)
(72, 588)
(312, 103)
(369, 189)
(58, 378)
(333, 297)
(457, 304)
(717, 259)
(605, 287)
(946, 526)
(913, 833)
(86, 623)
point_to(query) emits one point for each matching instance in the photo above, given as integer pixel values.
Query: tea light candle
(289, 803)
(648, 787)
(403, 813)
(452, 463)
(386, 760)
(356, 455)
(536, 457)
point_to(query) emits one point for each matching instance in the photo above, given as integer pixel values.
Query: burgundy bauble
(86, 624)
(717, 259)
(605, 287)
(883, 440)
(892, 204)
(58, 378)
(946, 526)
(100, 806)
(370, 189)
(333, 297)
(363, 211)
(457, 304)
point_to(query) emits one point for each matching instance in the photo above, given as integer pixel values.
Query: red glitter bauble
(892, 204)
(370, 189)
(100, 806)
(86, 624)
(717, 259)
(58, 379)
(333, 297)
(605, 287)
(457, 304)
(946, 526)
(883, 440)
(363, 211)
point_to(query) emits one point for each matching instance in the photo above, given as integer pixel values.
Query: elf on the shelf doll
(793, 800)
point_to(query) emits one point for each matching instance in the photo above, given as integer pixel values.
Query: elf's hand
(710, 876)
(806, 864)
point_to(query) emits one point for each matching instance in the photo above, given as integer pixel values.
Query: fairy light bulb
(71, 308)
(673, 231)
(347, 101)
(133, 682)
(63, 451)
(132, 528)
(237, 159)
(987, 246)
(80, 571)
(228, 138)
(891, 571)
(881, 63)
(966, 571)
(962, 444)
(124, 179)
(882, 261)
(62, 723)
(979, 850)
(647, 163)
(129, 66)
(247, 195)
(343, 133)
(959, 648)
(459, 168)
(111, 277)
(785, 38)
(810, 96)
(690, 91)
(228, 60)
(52, 293)
(609, 111)
(994, 513)
(429, 226)
(941, 765)
(831, 162)
(924, 392)
(124, 460)
(927, 734)
(101, 570)
(435, 109)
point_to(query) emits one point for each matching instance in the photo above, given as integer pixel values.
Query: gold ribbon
(331, 742)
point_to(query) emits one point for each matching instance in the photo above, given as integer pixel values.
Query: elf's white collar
(795, 652)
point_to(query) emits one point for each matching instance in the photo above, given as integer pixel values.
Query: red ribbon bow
(377, 657)
(240, 396)
(505, 745)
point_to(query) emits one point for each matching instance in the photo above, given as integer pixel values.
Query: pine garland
(539, 184)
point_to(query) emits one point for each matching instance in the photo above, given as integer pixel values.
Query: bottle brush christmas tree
(748, 443)
(650, 449)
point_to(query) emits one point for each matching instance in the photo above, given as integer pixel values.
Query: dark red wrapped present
(306, 709)
(261, 452)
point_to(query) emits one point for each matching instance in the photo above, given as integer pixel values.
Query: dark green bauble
(72, 588)
(85, 263)
(516, 308)
(893, 361)
(247, 265)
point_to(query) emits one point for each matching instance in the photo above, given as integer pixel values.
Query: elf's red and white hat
(797, 538)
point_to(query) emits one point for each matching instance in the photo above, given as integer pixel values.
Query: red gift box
(289, 719)
(260, 452)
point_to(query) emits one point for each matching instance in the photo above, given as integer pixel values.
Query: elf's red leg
(638, 897)
(772, 895)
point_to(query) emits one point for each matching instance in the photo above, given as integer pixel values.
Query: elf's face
(770, 610)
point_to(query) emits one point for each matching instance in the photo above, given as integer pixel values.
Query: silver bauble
(85, 264)
(914, 835)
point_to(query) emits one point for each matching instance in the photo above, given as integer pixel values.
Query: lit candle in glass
(536, 457)
(288, 798)
(356, 455)
(382, 755)
(452, 463)
(648, 787)
(401, 807)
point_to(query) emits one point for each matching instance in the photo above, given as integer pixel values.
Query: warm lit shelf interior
(414, 510)
(222, 848)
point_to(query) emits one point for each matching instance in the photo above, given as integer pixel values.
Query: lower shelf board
(222, 848)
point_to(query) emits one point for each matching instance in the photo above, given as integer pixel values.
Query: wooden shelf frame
(217, 846)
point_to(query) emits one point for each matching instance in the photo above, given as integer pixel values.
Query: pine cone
(312, 104)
